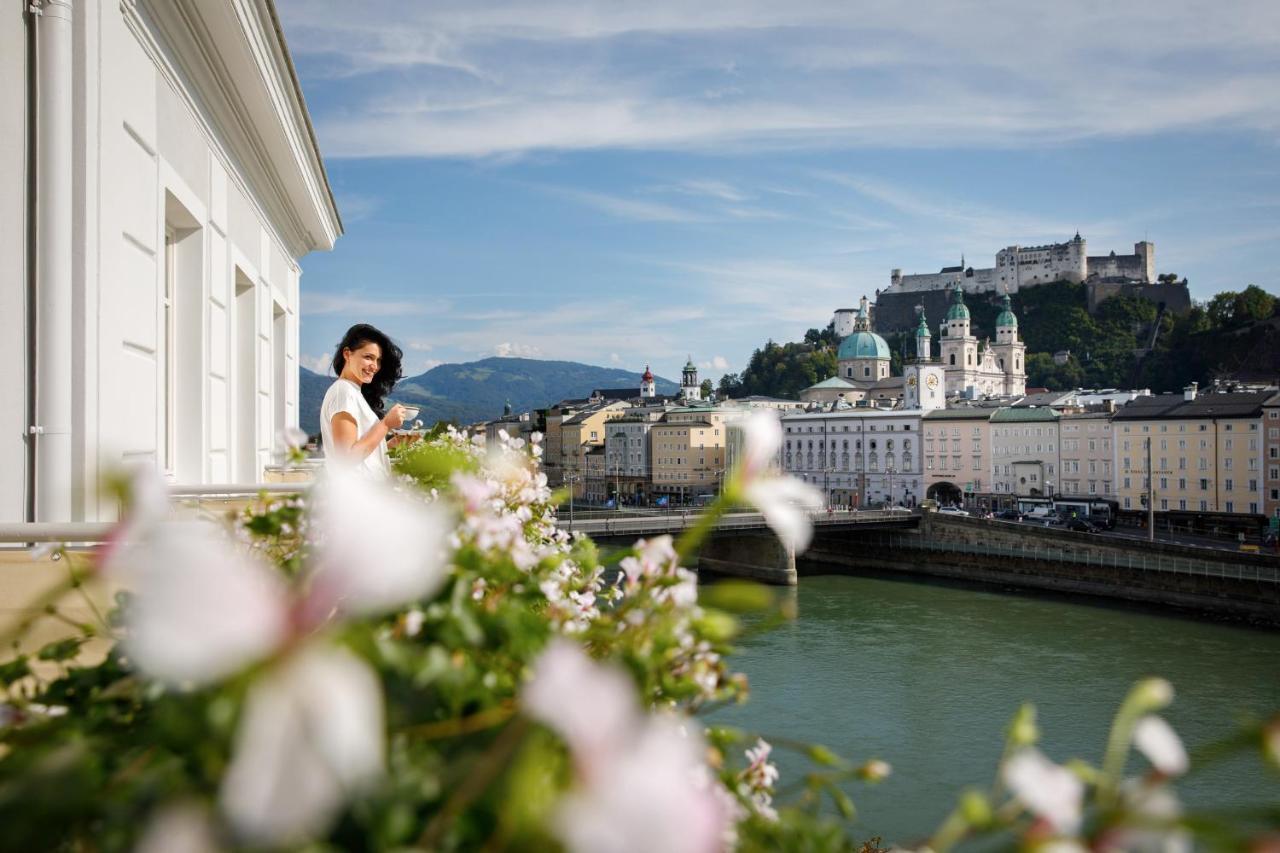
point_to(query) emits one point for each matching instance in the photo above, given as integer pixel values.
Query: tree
(730, 386)
(1222, 308)
(707, 388)
(1253, 303)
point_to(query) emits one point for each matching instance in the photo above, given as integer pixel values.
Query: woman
(353, 425)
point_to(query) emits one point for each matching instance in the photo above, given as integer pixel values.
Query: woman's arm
(346, 433)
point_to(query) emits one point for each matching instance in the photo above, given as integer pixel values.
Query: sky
(636, 183)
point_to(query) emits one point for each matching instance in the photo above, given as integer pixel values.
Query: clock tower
(924, 380)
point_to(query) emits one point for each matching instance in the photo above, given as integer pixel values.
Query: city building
(1205, 451)
(579, 433)
(990, 371)
(923, 379)
(1017, 267)
(1087, 454)
(957, 455)
(1025, 452)
(171, 185)
(1271, 456)
(688, 452)
(856, 456)
(690, 389)
(595, 487)
(628, 462)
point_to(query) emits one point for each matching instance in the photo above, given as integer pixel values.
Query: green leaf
(736, 596)
(61, 650)
(14, 670)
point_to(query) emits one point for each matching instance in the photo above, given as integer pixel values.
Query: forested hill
(478, 390)
(1235, 333)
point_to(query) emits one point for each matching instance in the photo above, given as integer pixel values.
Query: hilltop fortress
(1019, 267)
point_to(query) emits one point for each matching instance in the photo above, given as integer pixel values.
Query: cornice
(225, 59)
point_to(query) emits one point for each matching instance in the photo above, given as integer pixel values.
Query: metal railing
(1116, 559)
(677, 521)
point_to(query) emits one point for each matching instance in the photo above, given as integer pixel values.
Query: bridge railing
(1128, 560)
(677, 521)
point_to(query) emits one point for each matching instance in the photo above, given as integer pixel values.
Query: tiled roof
(1007, 416)
(1240, 404)
(959, 414)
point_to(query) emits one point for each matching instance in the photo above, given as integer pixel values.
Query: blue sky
(625, 183)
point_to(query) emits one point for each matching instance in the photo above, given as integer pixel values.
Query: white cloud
(356, 305)
(419, 345)
(321, 364)
(614, 358)
(506, 349)
(465, 79)
(719, 363)
(627, 208)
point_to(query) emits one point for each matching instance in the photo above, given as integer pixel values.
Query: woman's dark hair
(389, 373)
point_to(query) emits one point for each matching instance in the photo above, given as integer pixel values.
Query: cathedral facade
(982, 368)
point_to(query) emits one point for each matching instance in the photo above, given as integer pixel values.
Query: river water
(926, 676)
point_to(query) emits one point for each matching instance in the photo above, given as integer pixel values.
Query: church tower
(924, 380)
(690, 390)
(648, 387)
(959, 347)
(1010, 353)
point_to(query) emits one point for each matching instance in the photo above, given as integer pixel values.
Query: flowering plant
(435, 664)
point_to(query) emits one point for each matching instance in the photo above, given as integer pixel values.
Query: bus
(1099, 511)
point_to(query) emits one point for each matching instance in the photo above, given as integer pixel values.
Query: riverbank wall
(1213, 582)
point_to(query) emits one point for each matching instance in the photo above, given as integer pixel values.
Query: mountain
(478, 390)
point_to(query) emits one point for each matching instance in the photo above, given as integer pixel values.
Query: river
(926, 675)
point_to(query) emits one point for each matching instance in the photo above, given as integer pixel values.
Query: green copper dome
(863, 345)
(1007, 317)
(958, 310)
(922, 328)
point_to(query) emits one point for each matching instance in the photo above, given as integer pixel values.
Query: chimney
(1189, 393)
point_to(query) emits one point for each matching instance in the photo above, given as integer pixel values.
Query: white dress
(344, 396)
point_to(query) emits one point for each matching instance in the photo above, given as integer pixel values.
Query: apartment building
(857, 456)
(578, 433)
(1025, 452)
(1088, 455)
(957, 454)
(1271, 456)
(687, 453)
(1205, 450)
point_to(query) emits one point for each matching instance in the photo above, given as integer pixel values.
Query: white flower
(1052, 792)
(1153, 821)
(647, 798)
(381, 549)
(593, 707)
(202, 608)
(1161, 745)
(291, 438)
(310, 735)
(784, 501)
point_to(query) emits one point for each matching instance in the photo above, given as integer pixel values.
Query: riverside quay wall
(1204, 580)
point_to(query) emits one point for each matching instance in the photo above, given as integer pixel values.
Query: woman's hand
(394, 418)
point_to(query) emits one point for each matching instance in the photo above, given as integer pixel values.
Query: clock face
(932, 381)
(911, 380)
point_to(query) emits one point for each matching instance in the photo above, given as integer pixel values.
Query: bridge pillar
(756, 556)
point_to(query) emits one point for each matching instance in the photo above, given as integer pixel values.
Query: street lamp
(571, 478)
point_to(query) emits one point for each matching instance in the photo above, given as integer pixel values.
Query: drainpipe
(50, 432)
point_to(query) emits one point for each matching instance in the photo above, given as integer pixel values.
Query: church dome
(1007, 317)
(648, 375)
(863, 345)
(958, 310)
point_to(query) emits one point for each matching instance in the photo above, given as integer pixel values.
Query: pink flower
(643, 784)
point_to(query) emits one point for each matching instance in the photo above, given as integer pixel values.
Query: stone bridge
(741, 544)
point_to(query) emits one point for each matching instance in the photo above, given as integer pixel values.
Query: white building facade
(173, 184)
(856, 457)
(1026, 454)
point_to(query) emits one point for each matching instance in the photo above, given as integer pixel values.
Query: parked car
(951, 510)
(1009, 515)
(1080, 525)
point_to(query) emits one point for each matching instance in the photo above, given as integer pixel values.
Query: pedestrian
(354, 421)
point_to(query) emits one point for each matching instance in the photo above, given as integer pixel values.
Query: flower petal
(310, 736)
(785, 503)
(1157, 740)
(201, 608)
(592, 706)
(1050, 791)
(647, 798)
(762, 436)
(382, 548)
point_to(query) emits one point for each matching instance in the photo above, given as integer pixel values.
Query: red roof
(648, 374)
